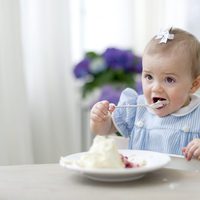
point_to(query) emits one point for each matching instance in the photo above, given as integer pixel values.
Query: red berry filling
(129, 164)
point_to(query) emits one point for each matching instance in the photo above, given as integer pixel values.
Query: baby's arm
(100, 118)
(192, 150)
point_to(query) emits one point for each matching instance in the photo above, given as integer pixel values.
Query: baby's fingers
(190, 152)
(97, 117)
(196, 153)
(193, 149)
(99, 111)
(111, 107)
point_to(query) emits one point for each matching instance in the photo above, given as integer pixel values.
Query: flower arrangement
(112, 71)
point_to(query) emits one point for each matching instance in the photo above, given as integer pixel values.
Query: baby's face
(167, 78)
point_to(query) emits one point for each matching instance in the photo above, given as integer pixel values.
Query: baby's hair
(184, 42)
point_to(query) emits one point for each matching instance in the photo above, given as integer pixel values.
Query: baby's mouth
(156, 99)
(161, 102)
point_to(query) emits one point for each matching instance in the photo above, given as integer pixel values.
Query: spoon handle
(131, 106)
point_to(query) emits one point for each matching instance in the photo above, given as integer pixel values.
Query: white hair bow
(164, 35)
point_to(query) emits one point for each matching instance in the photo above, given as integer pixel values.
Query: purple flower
(82, 68)
(118, 59)
(97, 65)
(110, 93)
(138, 86)
(113, 66)
(137, 64)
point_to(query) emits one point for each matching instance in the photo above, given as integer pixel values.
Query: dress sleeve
(124, 118)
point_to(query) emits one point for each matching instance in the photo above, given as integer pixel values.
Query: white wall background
(41, 40)
(129, 23)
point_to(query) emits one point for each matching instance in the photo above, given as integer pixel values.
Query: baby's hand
(100, 111)
(192, 150)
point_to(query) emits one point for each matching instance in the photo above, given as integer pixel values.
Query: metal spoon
(156, 105)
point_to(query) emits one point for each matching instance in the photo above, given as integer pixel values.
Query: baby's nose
(157, 87)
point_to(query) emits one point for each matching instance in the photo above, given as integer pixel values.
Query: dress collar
(195, 101)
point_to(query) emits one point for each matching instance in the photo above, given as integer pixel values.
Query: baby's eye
(148, 77)
(170, 80)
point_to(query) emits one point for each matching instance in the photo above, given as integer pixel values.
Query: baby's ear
(195, 84)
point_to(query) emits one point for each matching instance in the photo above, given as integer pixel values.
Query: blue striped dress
(147, 131)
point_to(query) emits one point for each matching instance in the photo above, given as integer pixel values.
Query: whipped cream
(102, 154)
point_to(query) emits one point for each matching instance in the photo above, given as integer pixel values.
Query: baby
(171, 72)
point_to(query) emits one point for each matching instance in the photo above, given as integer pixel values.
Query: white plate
(154, 161)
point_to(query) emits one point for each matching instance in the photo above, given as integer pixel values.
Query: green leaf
(92, 55)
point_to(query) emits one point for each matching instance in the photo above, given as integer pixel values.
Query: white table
(50, 181)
